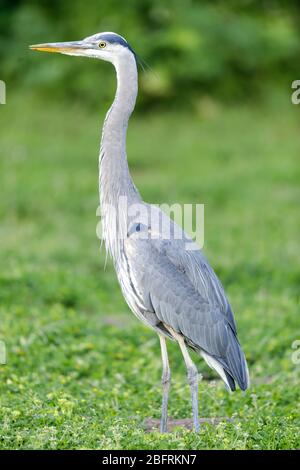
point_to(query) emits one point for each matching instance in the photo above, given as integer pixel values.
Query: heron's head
(106, 46)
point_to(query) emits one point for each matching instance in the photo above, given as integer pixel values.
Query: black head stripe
(116, 39)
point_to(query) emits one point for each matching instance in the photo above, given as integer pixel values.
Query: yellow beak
(60, 47)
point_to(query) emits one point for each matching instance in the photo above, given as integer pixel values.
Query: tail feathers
(230, 381)
(231, 372)
(236, 366)
(214, 364)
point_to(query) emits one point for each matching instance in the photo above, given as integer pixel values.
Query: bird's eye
(102, 44)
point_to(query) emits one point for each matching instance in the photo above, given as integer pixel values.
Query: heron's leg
(166, 381)
(192, 375)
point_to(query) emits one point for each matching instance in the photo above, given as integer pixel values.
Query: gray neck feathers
(115, 180)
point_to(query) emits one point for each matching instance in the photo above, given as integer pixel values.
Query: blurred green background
(231, 50)
(214, 125)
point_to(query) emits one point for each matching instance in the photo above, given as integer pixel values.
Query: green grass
(81, 371)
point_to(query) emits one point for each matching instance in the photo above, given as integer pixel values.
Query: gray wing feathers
(201, 276)
(184, 293)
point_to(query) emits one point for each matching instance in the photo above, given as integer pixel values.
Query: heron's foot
(152, 424)
(192, 375)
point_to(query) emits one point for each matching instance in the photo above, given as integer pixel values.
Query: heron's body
(170, 288)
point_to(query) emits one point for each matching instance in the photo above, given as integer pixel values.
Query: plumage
(183, 292)
(168, 286)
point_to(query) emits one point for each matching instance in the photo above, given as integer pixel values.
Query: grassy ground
(81, 371)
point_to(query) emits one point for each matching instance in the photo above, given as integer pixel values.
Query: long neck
(115, 182)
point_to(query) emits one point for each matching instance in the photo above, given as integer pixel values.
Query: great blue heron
(169, 287)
